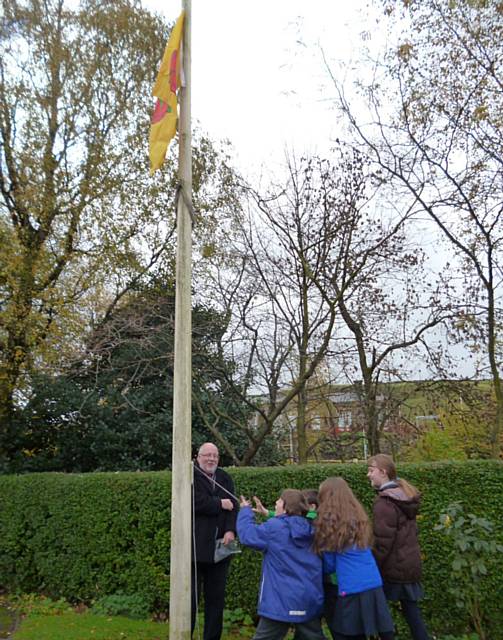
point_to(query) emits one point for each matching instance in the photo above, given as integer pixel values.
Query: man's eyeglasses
(209, 455)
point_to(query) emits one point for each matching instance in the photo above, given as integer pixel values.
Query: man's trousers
(211, 580)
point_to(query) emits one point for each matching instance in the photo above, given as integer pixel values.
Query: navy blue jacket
(291, 585)
(356, 570)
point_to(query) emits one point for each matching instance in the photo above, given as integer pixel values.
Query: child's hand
(243, 502)
(259, 507)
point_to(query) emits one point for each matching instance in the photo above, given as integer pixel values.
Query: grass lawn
(40, 618)
(87, 626)
(71, 625)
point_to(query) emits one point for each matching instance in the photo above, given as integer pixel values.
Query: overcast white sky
(258, 73)
(258, 77)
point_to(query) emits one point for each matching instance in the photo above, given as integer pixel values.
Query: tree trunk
(371, 414)
(301, 426)
(6, 405)
(497, 429)
(14, 357)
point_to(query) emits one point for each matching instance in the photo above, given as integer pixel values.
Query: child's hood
(408, 505)
(301, 530)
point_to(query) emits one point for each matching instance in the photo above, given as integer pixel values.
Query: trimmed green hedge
(86, 536)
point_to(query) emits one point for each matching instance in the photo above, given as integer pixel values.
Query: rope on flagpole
(216, 483)
(190, 208)
(195, 586)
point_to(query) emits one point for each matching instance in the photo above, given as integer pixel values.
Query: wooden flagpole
(180, 562)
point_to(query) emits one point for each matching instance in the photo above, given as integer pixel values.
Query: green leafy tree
(436, 444)
(469, 420)
(112, 410)
(449, 419)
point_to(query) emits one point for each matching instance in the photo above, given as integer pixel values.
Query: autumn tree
(317, 259)
(279, 321)
(297, 227)
(386, 310)
(441, 148)
(81, 223)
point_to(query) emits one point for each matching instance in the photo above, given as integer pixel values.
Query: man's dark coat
(211, 521)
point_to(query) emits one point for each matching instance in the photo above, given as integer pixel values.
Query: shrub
(120, 604)
(474, 546)
(238, 622)
(33, 604)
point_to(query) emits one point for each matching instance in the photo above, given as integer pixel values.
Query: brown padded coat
(396, 547)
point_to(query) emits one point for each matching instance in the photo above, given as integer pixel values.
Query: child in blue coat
(291, 588)
(343, 538)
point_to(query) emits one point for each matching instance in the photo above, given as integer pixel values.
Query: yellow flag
(163, 125)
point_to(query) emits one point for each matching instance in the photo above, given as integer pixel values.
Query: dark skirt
(364, 613)
(396, 591)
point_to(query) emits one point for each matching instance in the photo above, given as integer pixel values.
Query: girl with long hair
(396, 545)
(343, 537)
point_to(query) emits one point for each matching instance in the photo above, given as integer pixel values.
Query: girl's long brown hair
(342, 521)
(385, 463)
